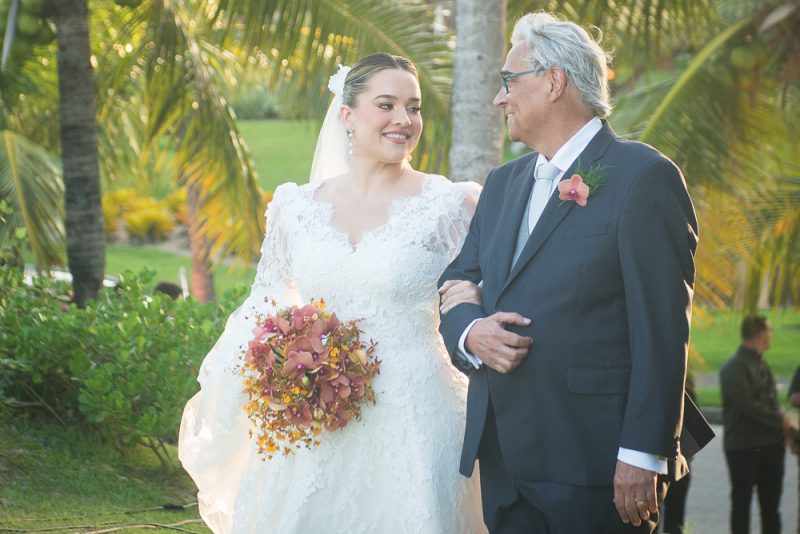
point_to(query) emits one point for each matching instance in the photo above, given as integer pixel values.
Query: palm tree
(726, 119)
(723, 111)
(79, 159)
(30, 170)
(160, 100)
(301, 42)
(688, 113)
(480, 51)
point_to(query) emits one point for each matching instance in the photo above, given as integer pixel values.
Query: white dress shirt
(563, 159)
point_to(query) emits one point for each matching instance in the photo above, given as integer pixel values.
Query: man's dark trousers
(761, 468)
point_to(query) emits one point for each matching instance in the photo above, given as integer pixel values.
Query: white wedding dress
(396, 470)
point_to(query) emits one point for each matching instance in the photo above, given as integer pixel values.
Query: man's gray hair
(563, 44)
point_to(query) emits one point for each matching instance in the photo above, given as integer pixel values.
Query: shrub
(149, 222)
(121, 201)
(178, 206)
(125, 365)
(115, 205)
(145, 219)
(37, 341)
(255, 103)
(110, 218)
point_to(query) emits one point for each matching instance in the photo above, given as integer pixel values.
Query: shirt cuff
(462, 348)
(643, 460)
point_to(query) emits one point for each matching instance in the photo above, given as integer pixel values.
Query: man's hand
(455, 292)
(495, 346)
(634, 493)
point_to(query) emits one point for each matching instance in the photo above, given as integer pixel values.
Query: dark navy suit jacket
(608, 288)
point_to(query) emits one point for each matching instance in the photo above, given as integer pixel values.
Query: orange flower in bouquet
(305, 372)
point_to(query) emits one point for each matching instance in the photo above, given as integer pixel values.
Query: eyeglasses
(505, 75)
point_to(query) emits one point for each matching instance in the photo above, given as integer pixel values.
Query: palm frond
(633, 28)
(301, 43)
(187, 110)
(700, 60)
(30, 181)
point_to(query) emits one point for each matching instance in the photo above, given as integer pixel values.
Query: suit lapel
(556, 210)
(509, 224)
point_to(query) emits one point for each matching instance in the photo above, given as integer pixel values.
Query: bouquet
(304, 371)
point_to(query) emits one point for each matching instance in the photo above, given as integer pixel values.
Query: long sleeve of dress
(453, 230)
(214, 442)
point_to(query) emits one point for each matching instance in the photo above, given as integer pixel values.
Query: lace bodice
(396, 263)
(404, 476)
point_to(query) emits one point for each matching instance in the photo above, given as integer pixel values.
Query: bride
(371, 236)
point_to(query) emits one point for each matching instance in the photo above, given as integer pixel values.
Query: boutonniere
(582, 183)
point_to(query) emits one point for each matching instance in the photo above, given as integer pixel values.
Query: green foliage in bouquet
(125, 365)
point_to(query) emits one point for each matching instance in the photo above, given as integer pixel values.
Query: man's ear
(558, 83)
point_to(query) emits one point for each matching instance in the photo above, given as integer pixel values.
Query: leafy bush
(178, 205)
(145, 219)
(37, 341)
(126, 364)
(150, 222)
(110, 218)
(121, 201)
(255, 103)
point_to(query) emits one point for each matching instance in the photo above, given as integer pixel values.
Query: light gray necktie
(544, 175)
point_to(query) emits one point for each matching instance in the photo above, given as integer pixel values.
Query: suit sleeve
(658, 239)
(465, 266)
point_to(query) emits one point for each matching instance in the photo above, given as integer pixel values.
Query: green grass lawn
(167, 266)
(715, 335)
(53, 477)
(282, 150)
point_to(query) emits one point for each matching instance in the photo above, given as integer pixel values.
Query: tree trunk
(81, 171)
(201, 282)
(477, 144)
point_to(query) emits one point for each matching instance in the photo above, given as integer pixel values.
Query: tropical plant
(161, 107)
(300, 43)
(692, 78)
(714, 85)
(83, 221)
(724, 114)
(478, 127)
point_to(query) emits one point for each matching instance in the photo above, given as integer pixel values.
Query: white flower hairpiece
(336, 83)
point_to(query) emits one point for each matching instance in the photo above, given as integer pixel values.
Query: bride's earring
(350, 142)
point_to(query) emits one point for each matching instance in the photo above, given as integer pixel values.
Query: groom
(577, 357)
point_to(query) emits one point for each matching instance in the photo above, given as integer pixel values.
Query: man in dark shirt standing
(754, 424)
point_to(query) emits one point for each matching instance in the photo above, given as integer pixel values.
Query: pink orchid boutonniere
(581, 185)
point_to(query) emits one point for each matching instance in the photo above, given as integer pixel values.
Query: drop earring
(350, 142)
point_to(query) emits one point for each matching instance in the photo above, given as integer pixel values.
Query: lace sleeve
(454, 227)
(274, 267)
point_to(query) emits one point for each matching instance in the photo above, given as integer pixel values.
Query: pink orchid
(259, 354)
(301, 315)
(266, 331)
(300, 415)
(574, 189)
(296, 363)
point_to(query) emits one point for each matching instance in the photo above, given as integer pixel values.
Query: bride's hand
(455, 292)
